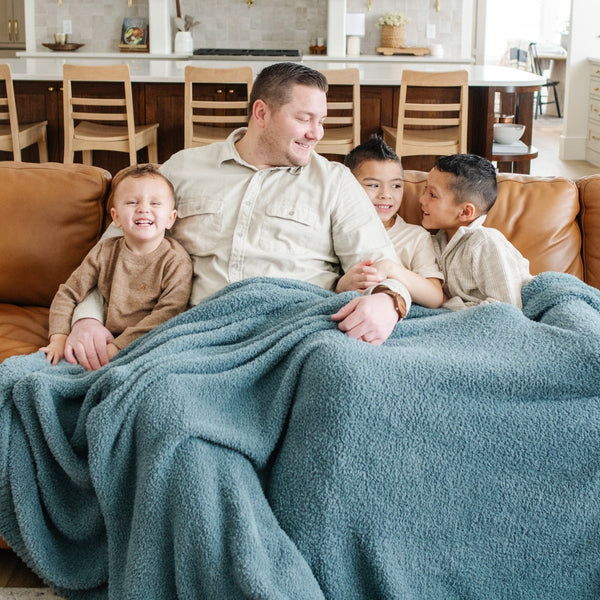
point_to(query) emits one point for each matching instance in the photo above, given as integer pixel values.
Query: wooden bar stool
(15, 136)
(90, 121)
(212, 120)
(342, 125)
(432, 119)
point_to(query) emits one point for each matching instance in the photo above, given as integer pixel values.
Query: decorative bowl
(63, 47)
(508, 133)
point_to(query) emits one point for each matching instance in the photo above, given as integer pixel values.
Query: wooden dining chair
(342, 125)
(432, 114)
(536, 67)
(103, 120)
(15, 136)
(216, 103)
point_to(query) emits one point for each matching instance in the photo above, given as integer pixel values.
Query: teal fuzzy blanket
(248, 449)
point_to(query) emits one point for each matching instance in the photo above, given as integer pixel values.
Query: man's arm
(88, 339)
(358, 236)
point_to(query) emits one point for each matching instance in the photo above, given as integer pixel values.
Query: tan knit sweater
(140, 291)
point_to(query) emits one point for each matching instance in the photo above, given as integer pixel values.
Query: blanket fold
(248, 449)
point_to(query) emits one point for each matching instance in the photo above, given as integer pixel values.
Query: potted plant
(392, 29)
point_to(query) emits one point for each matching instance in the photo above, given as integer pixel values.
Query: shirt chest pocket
(289, 229)
(199, 224)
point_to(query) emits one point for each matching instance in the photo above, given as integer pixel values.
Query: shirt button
(291, 213)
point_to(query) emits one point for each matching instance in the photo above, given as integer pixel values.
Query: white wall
(583, 43)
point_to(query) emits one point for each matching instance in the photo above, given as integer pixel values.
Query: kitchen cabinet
(163, 103)
(592, 153)
(12, 24)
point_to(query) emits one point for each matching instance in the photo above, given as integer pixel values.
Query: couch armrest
(589, 217)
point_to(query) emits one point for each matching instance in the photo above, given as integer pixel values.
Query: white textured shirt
(414, 248)
(480, 266)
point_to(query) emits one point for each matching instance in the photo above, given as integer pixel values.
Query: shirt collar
(229, 152)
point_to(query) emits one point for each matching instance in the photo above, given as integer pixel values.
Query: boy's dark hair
(474, 179)
(373, 149)
(273, 85)
(137, 171)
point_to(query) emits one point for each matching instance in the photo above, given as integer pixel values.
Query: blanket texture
(248, 449)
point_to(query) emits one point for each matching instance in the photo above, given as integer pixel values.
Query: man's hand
(368, 318)
(87, 344)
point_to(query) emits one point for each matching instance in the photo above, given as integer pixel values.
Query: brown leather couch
(51, 215)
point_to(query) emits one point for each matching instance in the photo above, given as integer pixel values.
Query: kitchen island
(158, 98)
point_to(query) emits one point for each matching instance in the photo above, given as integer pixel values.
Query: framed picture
(134, 34)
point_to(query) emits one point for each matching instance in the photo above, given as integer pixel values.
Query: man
(263, 203)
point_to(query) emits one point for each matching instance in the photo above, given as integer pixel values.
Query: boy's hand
(112, 351)
(359, 277)
(55, 350)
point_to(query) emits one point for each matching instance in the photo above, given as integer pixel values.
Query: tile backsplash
(265, 24)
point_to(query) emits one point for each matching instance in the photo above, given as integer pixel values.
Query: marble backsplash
(266, 23)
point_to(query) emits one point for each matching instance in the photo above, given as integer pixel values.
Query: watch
(399, 303)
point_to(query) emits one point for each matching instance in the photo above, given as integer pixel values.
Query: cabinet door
(6, 22)
(19, 23)
(12, 24)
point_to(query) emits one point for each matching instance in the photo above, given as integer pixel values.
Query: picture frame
(134, 34)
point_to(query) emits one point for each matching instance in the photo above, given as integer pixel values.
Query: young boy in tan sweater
(144, 277)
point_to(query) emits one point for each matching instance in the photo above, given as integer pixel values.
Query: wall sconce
(249, 3)
(437, 5)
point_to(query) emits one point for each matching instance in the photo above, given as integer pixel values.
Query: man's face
(291, 131)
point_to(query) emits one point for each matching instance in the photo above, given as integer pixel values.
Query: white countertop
(171, 70)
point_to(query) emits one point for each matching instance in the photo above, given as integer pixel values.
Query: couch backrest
(539, 215)
(50, 216)
(589, 196)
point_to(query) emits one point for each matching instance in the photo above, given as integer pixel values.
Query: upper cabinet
(12, 24)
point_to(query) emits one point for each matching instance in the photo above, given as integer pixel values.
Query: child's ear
(468, 212)
(115, 218)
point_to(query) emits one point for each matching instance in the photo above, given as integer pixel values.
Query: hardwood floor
(546, 133)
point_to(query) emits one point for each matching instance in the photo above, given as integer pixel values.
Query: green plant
(395, 19)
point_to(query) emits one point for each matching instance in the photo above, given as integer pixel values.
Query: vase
(184, 42)
(392, 36)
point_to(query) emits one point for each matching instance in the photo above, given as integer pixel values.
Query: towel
(249, 449)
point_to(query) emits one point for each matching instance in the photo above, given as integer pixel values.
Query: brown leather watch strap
(399, 303)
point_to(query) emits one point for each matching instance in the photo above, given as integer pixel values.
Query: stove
(246, 52)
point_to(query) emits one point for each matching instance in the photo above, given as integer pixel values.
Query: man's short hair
(273, 85)
(474, 179)
(373, 149)
(141, 170)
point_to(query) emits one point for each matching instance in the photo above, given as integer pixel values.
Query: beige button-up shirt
(236, 221)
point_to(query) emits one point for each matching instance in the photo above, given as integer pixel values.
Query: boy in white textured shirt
(479, 264)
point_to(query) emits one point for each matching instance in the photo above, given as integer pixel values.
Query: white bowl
(507, 133)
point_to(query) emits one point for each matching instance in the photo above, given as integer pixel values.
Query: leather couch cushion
(539, 215)
(23, 329)
(50, 216)
(589, 188)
